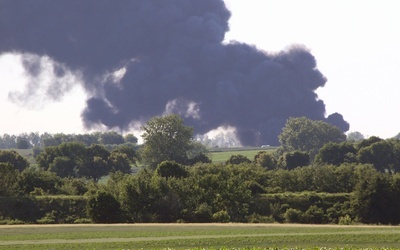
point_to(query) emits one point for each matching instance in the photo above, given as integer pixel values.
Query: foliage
(171, 169)
(74, 159)
(8, 179)
(221, 216)
(237, 159)
(31, 178)
(104, 208)
(306, 135)
(14, 159)
(336, 153)
(376, 197)
(166, 138)
(111, 137)
(347, 183)
(293, 215)
(384, 155)
(265, 160)
(294, 159)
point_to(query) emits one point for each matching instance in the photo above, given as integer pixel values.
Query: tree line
(36, 140)
(322, 178)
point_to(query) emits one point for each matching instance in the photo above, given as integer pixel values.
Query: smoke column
(142, 58)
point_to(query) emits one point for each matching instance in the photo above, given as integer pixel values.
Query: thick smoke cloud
(142, 58)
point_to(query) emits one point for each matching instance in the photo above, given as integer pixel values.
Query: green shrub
(104, 208)
(256, 218)
(293, 215)
(345, 220)
(11, 222)
(83, 221)
(203, 213)
(314, 215)
(49, 218)
(221, 216)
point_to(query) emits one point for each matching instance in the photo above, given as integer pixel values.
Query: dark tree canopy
(296, 159)
(13, 158)
(309, 136)
(166, 138)
(336, 153)
(238, 159)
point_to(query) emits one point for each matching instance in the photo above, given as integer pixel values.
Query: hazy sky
(355, 43)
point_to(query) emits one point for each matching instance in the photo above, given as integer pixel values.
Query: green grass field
(221, 155)
(218, 155)
(199, 236)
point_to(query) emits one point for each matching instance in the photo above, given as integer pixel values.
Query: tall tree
(111, 137)
(336, 153)
(14, 159)
(307, 135)
(166, 138)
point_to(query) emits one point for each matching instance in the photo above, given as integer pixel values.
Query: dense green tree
(63, 166)
(306, 135)
(14, 159)
(48, 140)
(171, 169)
(131, 152)
(368, 142)
(111, 137)
(166, 138)
(88, 139)
(34, 139)
(119, 162)
(375, 199)
(31, 179)
(74, 159)
(265, 160)
(8, 141)
(95, 162)
(296, 159)
(73, 186)
(197, 153)
(384, 155)
(140, 197)
(237, 159)
(8, 179)
(336, 153)
(23, 141)
(104, 208)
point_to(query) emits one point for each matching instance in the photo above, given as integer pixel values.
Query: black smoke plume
(142, 58)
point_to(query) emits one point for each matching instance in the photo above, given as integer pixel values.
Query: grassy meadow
(219, 155)
(198, 236)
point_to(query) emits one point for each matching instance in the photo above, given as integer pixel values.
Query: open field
(197, 236)
(223, 154)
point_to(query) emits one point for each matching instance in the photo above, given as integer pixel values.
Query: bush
(9, 221)
(203, 213)
(171, 169)
(221, 216)
(314, 215)
(237, 159)
(293, 215)
(49, 218)
(104, 208)
(345, 220)
(256, 218)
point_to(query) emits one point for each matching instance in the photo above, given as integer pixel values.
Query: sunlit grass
(199, 236)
